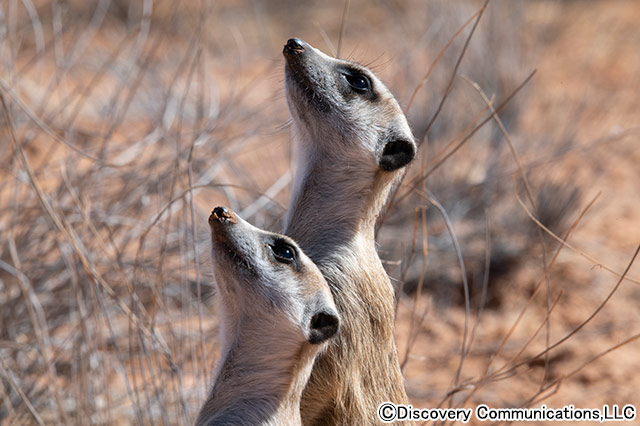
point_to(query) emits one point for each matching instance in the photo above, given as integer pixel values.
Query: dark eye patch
(358, 81)
(355, 82)
(282, 251)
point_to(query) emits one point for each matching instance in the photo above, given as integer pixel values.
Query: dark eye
(357, 81)
(283, 252)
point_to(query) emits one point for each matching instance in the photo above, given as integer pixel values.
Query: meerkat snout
(221, 214)
(293, 45)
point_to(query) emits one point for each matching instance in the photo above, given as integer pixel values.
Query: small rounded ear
(397, 153)
(322, 326)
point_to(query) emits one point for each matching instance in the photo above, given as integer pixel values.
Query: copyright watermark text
(388, 412)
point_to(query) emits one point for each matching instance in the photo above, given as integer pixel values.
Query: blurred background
(125, 122)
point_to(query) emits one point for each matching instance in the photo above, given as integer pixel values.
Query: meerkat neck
(332, 215)
(330, 207)
(256, 384)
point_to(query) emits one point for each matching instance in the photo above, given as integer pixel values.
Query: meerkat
(276, 312)
(353, 144)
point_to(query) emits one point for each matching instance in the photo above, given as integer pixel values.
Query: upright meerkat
(276, 312)
(354, 142)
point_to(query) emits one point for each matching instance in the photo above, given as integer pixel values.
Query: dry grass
(123, 124)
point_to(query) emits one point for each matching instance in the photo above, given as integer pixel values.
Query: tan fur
(276, 314)
(343, 134)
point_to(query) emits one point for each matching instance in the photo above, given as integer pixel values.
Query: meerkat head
(265, 278)
(345, 109)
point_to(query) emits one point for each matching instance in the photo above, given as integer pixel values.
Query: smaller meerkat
(276, 312)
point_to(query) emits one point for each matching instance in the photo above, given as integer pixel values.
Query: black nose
(293, 45)
(222, 215)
